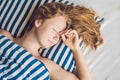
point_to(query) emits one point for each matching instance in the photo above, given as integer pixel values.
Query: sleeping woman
(53, 22)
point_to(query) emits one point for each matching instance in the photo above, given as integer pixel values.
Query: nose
(56, 37)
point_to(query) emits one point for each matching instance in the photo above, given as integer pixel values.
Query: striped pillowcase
(61, 55)
(14, 18)
(16, 13)
(18, 64)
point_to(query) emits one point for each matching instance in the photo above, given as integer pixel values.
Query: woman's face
(48, 32)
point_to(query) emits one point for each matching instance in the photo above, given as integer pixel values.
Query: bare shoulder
(6, 33)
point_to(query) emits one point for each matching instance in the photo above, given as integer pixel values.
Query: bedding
(14, 18)
(18, 64)
(103, 63)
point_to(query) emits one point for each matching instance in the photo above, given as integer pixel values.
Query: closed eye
(55, 30)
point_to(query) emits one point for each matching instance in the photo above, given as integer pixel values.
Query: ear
(38, 22)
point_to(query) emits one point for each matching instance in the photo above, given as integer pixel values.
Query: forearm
(70, 38)
(56, 72)
(81, 66)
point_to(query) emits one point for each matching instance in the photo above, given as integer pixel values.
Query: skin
(48, 34)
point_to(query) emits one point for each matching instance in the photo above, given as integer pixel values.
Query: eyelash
(55, 30)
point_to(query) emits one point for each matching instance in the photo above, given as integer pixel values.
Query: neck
(30, 43)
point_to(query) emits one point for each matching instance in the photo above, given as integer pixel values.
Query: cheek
(49, 34)
(44, 35)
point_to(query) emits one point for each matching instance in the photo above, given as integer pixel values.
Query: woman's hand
(70, 38)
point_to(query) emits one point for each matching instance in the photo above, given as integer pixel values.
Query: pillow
(18, 64)
(61, 55)
(16, 13)
(14, 18)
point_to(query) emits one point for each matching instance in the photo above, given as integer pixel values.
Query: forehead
(58, 22)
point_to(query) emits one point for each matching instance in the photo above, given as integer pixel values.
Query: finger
(68, 31)
(68, 36)
(63, 37)
(74, 32)
(63, 32)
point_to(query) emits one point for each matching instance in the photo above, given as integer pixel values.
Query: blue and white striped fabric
(14, 14)
(62, 55)
(18, 64)
(14, 17)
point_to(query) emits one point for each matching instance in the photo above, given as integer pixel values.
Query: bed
(103, 63)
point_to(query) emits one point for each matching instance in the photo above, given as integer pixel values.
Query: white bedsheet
(104, 64)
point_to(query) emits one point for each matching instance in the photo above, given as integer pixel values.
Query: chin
(47, 45)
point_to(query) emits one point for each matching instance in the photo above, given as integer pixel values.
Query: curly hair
(50, 10)
(79, 18)
(87, 28)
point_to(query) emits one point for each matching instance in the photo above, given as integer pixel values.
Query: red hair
(78, 18)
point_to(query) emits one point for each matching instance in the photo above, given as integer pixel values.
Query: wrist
(76, 49)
